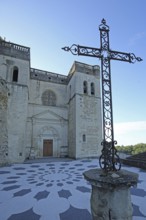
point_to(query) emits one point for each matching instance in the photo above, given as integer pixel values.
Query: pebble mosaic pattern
(56, 191)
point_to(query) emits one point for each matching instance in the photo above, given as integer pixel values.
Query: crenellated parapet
(48, 76)
(14, 50)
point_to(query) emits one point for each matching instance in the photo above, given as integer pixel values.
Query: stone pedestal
(110, 198)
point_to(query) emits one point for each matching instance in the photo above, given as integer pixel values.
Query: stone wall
(85, 131)
(17, 116)
(90, 126)
(42, 105)
(72, 128)
(3, 122)
(14, 50)
(48, 76)
(46, 121)
(15, 56)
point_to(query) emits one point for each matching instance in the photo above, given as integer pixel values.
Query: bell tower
(15, 70)
(85, 133)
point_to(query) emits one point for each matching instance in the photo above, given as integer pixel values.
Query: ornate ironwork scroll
(109, 159)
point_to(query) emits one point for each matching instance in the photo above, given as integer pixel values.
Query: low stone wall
(135, 163)
(137, 160)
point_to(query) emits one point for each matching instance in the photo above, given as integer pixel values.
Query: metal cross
(109, 159)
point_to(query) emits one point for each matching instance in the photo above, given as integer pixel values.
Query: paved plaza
(52, 189)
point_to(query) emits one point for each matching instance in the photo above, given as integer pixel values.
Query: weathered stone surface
(110, 198)
(117, 179)
(3, 122)
(42, 105)
(84, 112)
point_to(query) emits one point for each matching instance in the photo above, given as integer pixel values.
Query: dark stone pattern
(9, 182)
(64, 193)
(47, 190)
(11, 187)
(92, 166)
(138, 192)
(78, 164)
(83, 189)
(22, 192)
(13, 177)
(75, 214)
(41, 195)
(28, 215)
(19, 168)
(3, 172)
(136, 211)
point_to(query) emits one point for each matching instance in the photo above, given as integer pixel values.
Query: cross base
(110, 197)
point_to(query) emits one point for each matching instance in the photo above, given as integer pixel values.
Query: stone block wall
(17, 116)
(3, 122)
(85, 122)
(42, 106)
(46, 121)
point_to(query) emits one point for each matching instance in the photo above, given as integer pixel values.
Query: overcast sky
(48, 25)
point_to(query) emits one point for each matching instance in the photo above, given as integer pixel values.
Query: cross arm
(122, 56)
(84, 51)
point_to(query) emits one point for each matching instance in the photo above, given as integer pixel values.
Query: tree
(132, 149)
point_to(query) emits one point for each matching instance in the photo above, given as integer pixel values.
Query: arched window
(84, 138)
(85, 87)
(49, 98)
(15, 74)
(92, 89)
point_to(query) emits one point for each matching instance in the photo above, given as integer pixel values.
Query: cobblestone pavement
(56, 190)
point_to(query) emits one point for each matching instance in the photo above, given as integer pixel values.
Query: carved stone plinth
(110, 197)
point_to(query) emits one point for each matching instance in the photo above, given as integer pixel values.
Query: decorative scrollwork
(115, 55)
(128, 57)
(109, 159)
(133, 58)
(105, 62)
(89, 51)
(73, 49)
(81, 50)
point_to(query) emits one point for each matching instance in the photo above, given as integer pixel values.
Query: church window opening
(15, 74)
(49, 98)
(70, 91)
(85, 87)
(92, 89)
(84, 138)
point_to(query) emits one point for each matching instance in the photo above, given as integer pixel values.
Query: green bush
(132, 149)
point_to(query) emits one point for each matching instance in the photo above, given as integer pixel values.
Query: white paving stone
(51, 189)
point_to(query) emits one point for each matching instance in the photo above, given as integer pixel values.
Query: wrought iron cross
(109, 159)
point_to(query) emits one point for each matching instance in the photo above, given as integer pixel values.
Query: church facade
(47, 114)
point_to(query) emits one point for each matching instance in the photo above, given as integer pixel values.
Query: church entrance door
(47, 148)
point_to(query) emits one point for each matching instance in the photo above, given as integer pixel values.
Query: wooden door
(47, 148)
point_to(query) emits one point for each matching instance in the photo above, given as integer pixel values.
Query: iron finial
(103, 21)
(103, 25)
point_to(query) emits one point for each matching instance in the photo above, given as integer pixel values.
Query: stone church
(47, 114)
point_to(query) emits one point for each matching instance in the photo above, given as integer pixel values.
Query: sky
(48, 25)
